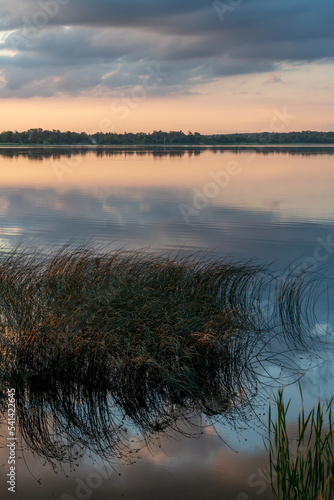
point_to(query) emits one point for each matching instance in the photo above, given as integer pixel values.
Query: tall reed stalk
(304, 471)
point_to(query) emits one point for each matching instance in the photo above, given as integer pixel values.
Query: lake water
(274, 205)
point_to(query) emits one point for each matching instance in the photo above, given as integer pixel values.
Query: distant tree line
(51, 137)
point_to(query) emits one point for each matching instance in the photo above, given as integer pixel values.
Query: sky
(208, 66)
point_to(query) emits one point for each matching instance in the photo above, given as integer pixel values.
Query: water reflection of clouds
(293, 185)
(3, 206)
(195, 468)
(145, 215)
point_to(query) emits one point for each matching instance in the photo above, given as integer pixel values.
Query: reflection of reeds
(157, 337)
(307, 474)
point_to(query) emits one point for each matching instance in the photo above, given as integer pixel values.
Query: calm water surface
(274, 205)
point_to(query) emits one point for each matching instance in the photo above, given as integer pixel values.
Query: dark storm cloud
(102, 12)
(73, 46)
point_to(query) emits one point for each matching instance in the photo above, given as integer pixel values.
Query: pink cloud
(274, 79)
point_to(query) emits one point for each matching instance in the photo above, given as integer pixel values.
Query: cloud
(274, 79)
(62, 40)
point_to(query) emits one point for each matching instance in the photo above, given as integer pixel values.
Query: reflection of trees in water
(58, 153)
(93, 343)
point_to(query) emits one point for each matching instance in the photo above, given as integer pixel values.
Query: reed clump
(91, 341)
(77, 313)
(190, 323)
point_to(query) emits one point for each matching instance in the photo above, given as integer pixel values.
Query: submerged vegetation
(304, 471)
(90, 341)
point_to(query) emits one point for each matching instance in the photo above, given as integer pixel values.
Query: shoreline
(143, 146)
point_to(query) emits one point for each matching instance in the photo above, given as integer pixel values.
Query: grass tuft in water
(91, 341)
(188, 322)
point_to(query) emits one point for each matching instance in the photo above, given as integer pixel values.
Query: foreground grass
(184, 320)
(190, 323)
(128, 317)
(90, 341)
(306, 472)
